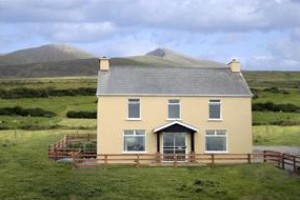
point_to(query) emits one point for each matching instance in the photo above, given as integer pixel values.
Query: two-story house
(173, 110)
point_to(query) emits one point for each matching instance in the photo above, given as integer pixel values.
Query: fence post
(294, 164)
(137, 160)
(158, 157)
(193, 157)
(55, 152)
(175, 160)
(73, 160)
(105, 159)
(212, 160)
(249, 158)
(282, 161)
(265, 156)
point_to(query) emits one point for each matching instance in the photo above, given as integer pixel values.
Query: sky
(262, 34)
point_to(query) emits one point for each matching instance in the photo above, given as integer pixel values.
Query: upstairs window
(214, 109)
(216, 141)
(134, 141)
(173, 109)
(134, 109)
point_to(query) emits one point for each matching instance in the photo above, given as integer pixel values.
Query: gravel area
(282, 149)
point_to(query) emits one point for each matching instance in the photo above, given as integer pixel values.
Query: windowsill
(134, 119)
(215, 152)
(134, 152)
(215, 120)
(174, 119)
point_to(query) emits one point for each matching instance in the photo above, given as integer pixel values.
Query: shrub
(82, 114)
(270, 106)
(44, 92)
(276, 90)
(34, 112)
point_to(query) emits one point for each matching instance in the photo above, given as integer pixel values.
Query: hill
(45, 53)
(162, 56)
(62, 60)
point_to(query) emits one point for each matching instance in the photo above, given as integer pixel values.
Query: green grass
(58, 105)
(279, 98)
(272, 79)
(276, 135)
(26, 173)
(56, 82)
(274, 117)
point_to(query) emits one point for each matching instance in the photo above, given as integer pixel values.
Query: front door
(174, 143)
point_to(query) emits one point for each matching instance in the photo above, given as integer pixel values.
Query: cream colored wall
(112, 120)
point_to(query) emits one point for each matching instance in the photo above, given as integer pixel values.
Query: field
(26, 173)
(276, 87)
(276, 135)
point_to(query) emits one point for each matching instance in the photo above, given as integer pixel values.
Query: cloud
(193, 15)
(263, 62)
(262, 33)
(286, 49)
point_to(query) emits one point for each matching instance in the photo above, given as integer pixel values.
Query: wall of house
(112, 120)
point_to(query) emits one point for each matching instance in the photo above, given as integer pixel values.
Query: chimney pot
(104, 63)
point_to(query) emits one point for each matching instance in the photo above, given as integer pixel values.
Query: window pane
(174, 111)
(216, 143)
(134, 143)
(214, 101)
(214, 111)
(210, 132)
(221, 132)
(140, 132)
(173, 101)
(179, 139)
(134, 100)
(128, 132)
(134, 108)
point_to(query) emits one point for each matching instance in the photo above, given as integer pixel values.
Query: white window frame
(216, 135)
(134, 134)
(179, 117)
(128, 104)
(210, 102)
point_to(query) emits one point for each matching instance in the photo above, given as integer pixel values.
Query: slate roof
(171, 81)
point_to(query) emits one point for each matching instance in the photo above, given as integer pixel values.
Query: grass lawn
(26, 173)
(58, 105)
(55, 82)
(268, 117)
(276, 135)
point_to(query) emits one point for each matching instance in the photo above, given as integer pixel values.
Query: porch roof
(175, 126)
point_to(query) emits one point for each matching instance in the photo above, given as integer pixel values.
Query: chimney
(235, 65)
(104, 64)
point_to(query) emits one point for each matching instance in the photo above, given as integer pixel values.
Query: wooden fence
(62, 149)
(284, 161)
(82, 158)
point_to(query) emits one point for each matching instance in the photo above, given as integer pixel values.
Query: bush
(82, 114)
(276, 90)
(270, 106)
(44, 92)
(34, 112)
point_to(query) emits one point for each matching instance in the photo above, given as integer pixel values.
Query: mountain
(45, 53)
(62, 60)
(162, 56)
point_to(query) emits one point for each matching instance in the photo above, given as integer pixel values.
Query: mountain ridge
(44, 53)
(83, 63)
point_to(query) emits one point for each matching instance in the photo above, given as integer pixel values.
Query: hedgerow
(34, 112)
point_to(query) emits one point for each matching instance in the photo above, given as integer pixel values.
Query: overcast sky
(262, 34)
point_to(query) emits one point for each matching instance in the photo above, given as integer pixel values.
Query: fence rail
(62, 149)
(85, 157)
(284, 161)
